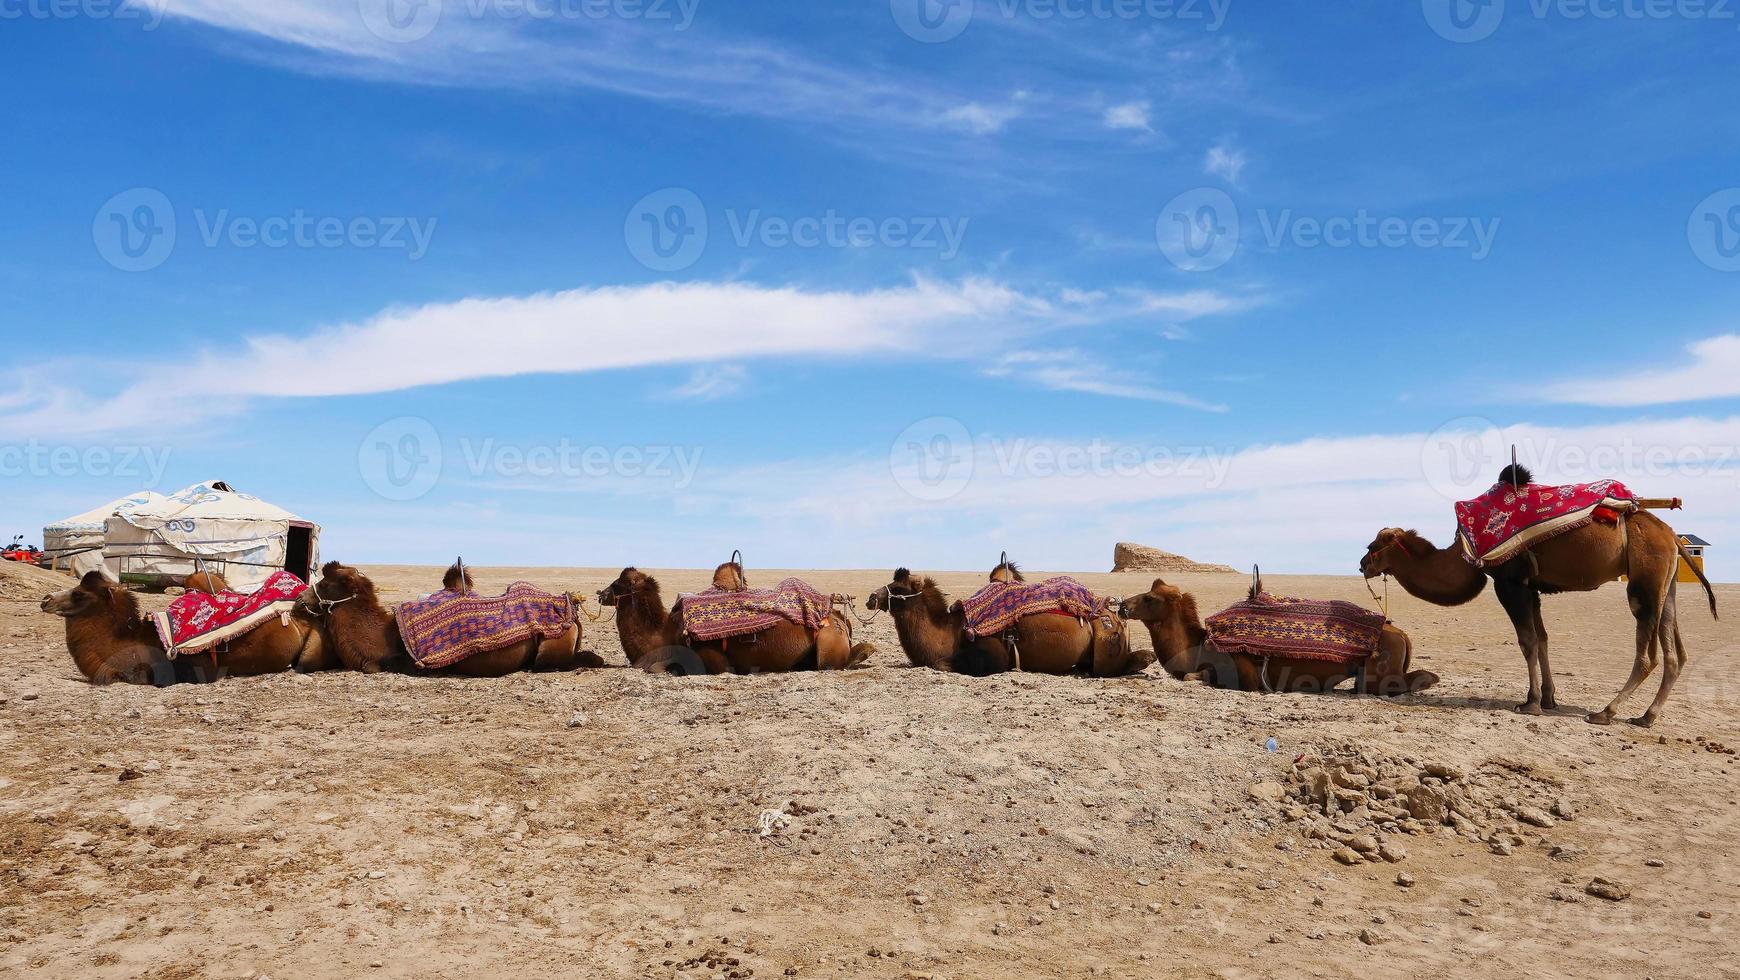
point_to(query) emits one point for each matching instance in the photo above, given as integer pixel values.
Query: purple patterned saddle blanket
(448, 627)
(720, 615)
(1304, 629)
(998, 606)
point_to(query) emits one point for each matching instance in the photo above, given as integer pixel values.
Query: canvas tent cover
(210, 525)
(76, 544)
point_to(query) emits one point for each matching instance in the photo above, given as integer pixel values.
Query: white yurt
(209, 526)
(76, 544)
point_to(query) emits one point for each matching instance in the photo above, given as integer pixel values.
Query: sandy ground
(606, 823)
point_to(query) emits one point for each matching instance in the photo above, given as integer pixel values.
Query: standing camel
(112, 641)
(654, 640)
(1639, 546)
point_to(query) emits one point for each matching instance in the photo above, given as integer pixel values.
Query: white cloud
(1713, 373)
(1074, 370)
(980, 119)
(573, 332)
(1306, 506)
(712, 383)
(1225, 162)
(1129, 115)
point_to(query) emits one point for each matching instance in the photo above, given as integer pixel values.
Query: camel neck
(1440, 576)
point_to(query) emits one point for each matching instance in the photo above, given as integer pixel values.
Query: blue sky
(997, 338)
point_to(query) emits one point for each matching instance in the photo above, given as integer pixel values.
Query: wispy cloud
(1130, 115)
(580, 331)
(1225, 162)
(1713, 373)
(1074, 370)
(712, 383)
(667, 60)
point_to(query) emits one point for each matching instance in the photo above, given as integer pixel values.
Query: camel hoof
(1644, 721)
(1599, 718)
(1528, 708)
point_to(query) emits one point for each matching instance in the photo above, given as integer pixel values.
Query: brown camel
(112, 641)
(654, 640)
(1181, 643)
(1640, 546)
(933, 634)
(367, 637)
(931, 630)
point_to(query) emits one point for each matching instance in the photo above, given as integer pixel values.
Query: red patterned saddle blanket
(717, 614)
(1496, 525)
(1000, 605)
(1301, 629)
(448, 627)
(197, 621)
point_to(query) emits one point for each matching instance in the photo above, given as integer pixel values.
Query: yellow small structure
(1695, 547)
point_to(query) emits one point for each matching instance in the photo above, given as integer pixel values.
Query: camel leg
(1518, 601)
(1673, 659)
(833, 648)
(1549, 692)
(1642, 665)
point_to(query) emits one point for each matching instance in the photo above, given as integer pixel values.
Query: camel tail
(1686, 556)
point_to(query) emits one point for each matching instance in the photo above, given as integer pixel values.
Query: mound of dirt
(21, 581)
(1127, 557)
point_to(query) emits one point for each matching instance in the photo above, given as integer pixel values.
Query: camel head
(630, 583)
(1391, 546)
(896, 592)
(95, 595)
(339, 583)
(458, 579)
(1160, 603)
(1007, 571)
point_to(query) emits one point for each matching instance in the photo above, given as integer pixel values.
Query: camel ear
(329, 569)
(1159, 587)
(94, 582)
(902, 574)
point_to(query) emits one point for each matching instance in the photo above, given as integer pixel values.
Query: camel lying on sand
(654, 640)
(1182, 645)
(112, 641)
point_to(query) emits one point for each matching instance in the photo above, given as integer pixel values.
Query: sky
(867, 284)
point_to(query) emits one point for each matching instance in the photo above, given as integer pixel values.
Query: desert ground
(883, 822)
